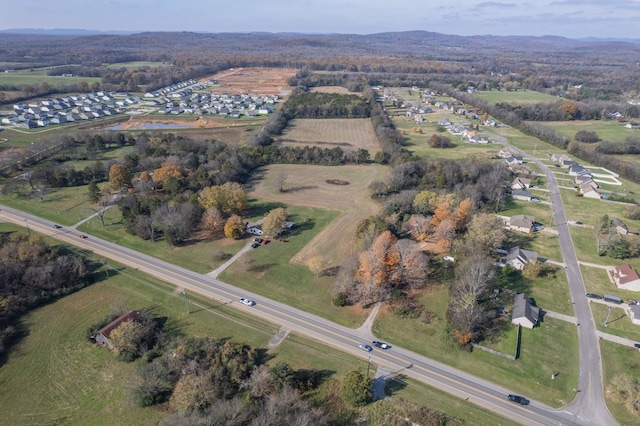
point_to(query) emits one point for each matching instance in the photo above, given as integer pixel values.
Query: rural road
(589, 402)
(397, 360)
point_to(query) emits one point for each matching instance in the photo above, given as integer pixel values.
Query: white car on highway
(247, 302)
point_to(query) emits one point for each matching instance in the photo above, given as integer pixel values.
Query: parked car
(257, 240)
(519, 399)
(365, 347)
(535, 200)
(632, 302)
(380, 345)
(56, 226)
(255, 245)
(247, 302)
(265, 241)
(637, 345)
(82, 236)
(594, 296)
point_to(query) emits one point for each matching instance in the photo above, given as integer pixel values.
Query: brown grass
(331, 89)
(347, 133)
(306, 186)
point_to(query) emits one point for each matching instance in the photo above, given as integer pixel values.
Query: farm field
(529, 375)
(39, 75)
(349, 134)
(331, 89)
(607, 130)
(306, 185)
(515, 97)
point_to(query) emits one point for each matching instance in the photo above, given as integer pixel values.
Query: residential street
(589, 403)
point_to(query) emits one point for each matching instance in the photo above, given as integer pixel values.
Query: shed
(103, 335)
(524, 313)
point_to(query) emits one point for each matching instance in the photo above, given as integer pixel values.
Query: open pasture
(516, 97)
(39, 76)
(347, 133)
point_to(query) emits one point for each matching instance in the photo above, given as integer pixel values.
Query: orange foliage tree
(166, 171)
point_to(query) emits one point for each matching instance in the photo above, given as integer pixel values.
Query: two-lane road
(485, 394)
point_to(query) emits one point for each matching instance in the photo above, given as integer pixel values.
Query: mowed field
(306, 185)
(516, 97)
(37, 76)
(331, 89)
(347, 133)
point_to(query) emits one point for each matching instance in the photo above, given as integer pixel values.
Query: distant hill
(63, 31)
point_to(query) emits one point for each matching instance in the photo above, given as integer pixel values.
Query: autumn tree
(119, 177)
(212, 220)
(570, 110)
(167, 170)
(234, 228)
(474, 275)
(127, 339)
(274, 221)
(419, 227)
(425, 202)
(194, 392)
(486, 230)
(443, 235)
(316, 265)
(230, 198)
(462, 213)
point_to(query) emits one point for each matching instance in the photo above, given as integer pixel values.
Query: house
(589, 191)
(254, 228)
(635, 314)
(518, 258)
(520, 183)
(103, 335)
(522, 223)
(513, 160)
(619, 226)
(584, 178)
(626, 277)
(524, 313)
(521, 194)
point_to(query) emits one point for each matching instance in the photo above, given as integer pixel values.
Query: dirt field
(263, 81)
(347, 133)
(306, 185)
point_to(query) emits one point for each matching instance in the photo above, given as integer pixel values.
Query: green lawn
(619, 360)
(515, 97)
(597, 281)
(618, 323)
(529, 375)
(267, 271)
(607, 130)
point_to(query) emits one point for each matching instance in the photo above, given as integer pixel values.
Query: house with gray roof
(524, 313)
(518, 258)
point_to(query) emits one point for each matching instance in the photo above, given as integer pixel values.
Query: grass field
(306, 185)
(347, 133)
(529, 375)
(39, 75)
(331, 89)
(607, 130)
(268, 271)
(618, 323)
(516, 97)
(56, 376)
(597, 281)
(619, 360)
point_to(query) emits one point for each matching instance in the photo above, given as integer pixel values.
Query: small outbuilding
(103, 335)
(524, 313)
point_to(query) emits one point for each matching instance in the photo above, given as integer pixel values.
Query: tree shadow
(262, 208)
(509, 278)
(394, 384)
(298, 188)
(263, 356)
(262, 267)
(330, 272)
(312, 379)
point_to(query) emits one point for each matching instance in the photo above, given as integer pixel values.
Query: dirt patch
(263, 81)
(335, 242)
(333, 89)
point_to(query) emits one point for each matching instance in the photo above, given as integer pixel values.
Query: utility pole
(186, 300)
(608, 313)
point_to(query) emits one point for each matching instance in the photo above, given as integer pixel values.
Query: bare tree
(282, 179)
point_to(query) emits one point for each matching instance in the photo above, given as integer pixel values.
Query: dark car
(594, 296)
(255, 245)
(380, 345)
(519, 399)
(257, 240)
(82, 236)
(56, 226)
(637, 345)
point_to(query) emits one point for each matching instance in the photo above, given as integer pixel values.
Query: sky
(567, 18)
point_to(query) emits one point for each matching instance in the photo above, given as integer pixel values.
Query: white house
(520, 183)
(589, 191)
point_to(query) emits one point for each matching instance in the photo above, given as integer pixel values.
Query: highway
(400, 361)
